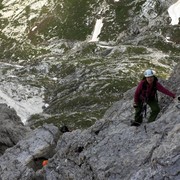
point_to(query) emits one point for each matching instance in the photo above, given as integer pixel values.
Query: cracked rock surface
(25, 158)
(11, 129)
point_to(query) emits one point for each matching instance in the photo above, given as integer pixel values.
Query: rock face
(12, 129)
(25, 158)
(108, 150)
(111, 149)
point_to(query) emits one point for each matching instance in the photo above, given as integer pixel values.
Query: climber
(146, 94)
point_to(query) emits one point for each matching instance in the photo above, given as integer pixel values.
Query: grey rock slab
(11, 129)
(19, 162)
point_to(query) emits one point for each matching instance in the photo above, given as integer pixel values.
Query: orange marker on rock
(45, 162)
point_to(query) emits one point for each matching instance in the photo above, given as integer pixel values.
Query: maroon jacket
(140, 94)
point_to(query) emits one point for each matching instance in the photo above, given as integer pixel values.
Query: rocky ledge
(111, 149)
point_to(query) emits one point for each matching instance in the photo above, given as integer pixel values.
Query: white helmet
(148, 73)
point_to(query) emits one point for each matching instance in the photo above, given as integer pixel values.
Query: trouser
(153, 104)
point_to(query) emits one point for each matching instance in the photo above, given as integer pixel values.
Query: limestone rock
(25, 158)
(12, 129)
(111, 149)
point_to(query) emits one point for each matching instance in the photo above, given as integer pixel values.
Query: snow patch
(24, 108)
(97, 30)
(174, 13)
(26, 100)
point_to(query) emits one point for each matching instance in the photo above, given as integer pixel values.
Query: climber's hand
(135, 105)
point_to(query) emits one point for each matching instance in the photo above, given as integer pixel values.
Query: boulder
(12, 129)
(26, 157)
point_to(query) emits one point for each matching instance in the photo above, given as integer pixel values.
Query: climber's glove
(135, 105)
